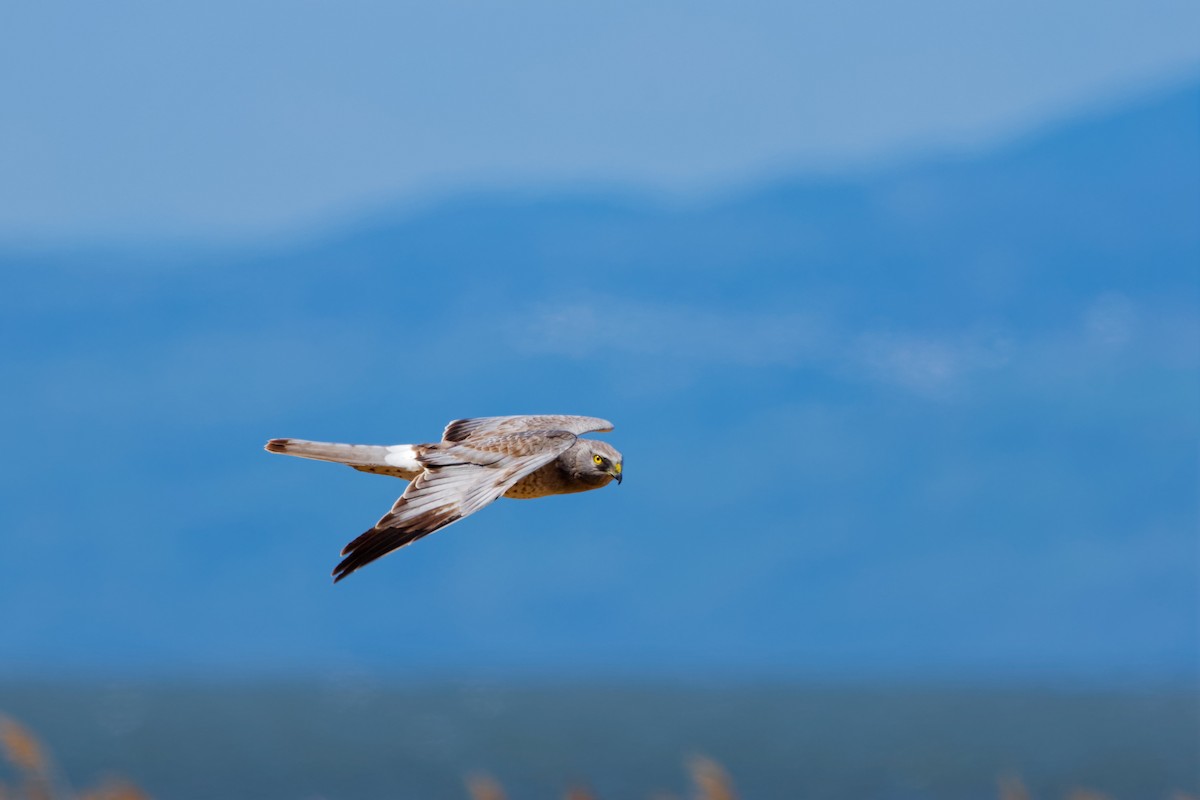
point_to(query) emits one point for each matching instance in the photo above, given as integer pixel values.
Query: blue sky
(140, 120)
(965, 353)
(938, 421)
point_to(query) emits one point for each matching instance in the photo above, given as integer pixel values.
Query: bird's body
(476, 462)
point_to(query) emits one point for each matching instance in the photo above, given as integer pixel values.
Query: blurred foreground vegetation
(35, 778)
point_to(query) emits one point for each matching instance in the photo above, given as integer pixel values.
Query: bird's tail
(399, 460)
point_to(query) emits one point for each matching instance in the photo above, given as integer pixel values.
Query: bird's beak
(616, 473)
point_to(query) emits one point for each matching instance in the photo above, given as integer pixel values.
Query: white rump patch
(403, 456)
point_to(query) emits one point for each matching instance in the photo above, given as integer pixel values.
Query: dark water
(357, 739)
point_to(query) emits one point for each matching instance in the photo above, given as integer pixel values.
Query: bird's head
(596, 462)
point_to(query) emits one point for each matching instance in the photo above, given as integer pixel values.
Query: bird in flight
(476, 462)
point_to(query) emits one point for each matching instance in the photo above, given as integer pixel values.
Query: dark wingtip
(344, 567)
(277, 446)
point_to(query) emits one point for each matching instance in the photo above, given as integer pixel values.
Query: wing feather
(459, 479)
(461, 430)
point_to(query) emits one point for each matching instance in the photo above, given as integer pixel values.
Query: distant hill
(936, 420)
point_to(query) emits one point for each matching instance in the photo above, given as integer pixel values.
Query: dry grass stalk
(1012, 787)
(115, 790)
(484, 787)
(24, 752)
(711, 780)
(21, 748)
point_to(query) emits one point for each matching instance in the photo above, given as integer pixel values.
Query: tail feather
(397, 460)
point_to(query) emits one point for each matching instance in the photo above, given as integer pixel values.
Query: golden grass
(1012, 787)
(484, 787)
(710, 781)
(35, 773)
(579, 793)
(116, 790)
(28, 757)
(21, 748)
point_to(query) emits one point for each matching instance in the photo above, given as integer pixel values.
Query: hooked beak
(616, 473)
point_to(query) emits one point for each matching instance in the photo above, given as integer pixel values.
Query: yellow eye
(598, 460)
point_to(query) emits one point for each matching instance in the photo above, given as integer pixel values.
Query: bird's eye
(599, 460)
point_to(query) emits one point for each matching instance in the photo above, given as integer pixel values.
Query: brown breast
(551, 479)
(541, 482)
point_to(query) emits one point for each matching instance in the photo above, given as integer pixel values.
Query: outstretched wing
(459, 479)
(460, 430)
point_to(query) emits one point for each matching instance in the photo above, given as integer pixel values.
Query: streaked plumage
(476, 462)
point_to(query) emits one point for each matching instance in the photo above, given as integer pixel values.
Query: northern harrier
(476, 462)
